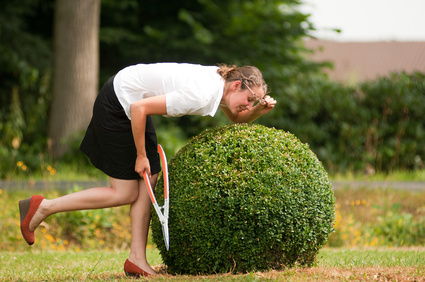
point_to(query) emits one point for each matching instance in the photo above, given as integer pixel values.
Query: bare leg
(121, 192)
(140, 213)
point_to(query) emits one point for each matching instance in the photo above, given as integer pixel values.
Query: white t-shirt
(189, 89)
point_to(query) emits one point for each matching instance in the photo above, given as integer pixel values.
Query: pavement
(37, 185)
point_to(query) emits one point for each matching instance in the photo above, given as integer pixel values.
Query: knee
(124, 196)
(131, 198)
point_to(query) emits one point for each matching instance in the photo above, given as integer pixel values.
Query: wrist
(141, 154)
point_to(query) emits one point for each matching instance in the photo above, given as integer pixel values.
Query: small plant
(245, 198)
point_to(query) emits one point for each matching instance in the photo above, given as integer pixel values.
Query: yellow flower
(51, 170)
(1, 191)
(24, 167)
(20, 163)
(97, 232)
(50, 238)
(374, 242)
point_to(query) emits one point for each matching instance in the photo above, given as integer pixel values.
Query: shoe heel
(27, 209)
(129, 274)
(24, 206)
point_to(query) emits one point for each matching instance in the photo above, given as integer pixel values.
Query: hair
(246, 74)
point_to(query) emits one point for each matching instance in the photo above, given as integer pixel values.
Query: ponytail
(226, 72)
(247, 74)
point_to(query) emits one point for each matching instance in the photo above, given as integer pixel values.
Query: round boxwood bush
(244, 198)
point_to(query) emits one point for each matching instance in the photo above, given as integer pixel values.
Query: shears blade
(166, 235)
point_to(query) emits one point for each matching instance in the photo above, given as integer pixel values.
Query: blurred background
(348, 76)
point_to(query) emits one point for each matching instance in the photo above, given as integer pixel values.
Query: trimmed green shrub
(244, 198)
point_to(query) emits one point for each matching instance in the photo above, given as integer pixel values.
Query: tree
(75, 73)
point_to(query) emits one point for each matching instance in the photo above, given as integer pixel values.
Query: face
(244, 99)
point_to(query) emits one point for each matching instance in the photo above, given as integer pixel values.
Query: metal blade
(166, 236)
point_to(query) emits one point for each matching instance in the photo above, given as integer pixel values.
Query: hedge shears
(163, 217)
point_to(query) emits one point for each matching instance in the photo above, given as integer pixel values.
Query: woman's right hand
(142, 164)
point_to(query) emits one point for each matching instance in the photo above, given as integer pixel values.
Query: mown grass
(397, 175)
(102, 265)
(387, 257)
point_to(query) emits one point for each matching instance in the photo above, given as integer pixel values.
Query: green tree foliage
(376, 125)
(392, 120)
(25, 77)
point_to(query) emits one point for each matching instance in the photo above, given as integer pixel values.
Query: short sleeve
(185, 102)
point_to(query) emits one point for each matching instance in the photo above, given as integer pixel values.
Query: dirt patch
(313, 274)
(364, 273)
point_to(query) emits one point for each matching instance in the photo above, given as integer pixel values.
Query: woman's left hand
(267, 104)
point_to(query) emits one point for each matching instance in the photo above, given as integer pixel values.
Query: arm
(139, 111)
(252, 114)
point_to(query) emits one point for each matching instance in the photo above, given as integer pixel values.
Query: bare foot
(39, 215)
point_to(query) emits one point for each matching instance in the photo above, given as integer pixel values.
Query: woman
(121, 139)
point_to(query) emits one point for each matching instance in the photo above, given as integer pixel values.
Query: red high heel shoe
(131, 269)
(27, 209)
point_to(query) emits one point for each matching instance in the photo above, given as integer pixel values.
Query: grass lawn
(386, 264)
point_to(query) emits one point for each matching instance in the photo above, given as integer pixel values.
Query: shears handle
(165, 170)
(148, 185)
(165, 176)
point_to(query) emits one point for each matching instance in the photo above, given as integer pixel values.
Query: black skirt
(109, 141)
